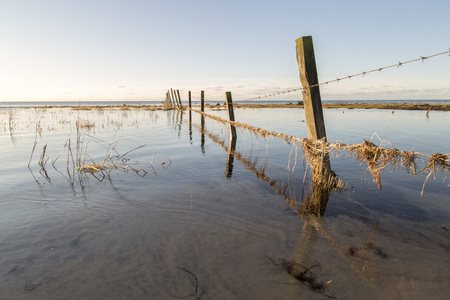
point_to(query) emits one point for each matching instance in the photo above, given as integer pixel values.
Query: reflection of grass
(85, 124)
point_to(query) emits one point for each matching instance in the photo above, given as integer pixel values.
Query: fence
(316, 149)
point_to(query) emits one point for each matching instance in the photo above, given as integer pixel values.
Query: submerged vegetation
(304, 275)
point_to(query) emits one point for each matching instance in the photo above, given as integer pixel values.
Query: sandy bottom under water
(185, 230)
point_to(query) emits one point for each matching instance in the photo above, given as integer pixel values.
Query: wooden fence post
(174, 100)
(311, 95)
(311, 100)
(190, 116)
(230, 114)
(202, 101)
(166, 101)
(189, 96)
(179, 99)
(168, 97)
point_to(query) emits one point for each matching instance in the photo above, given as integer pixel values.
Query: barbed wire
(399, 64)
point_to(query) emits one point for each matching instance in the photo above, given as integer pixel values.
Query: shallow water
(178, 219)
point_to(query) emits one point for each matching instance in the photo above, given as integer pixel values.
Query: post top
(304, 37)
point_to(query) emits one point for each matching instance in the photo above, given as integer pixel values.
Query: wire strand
(399, 64)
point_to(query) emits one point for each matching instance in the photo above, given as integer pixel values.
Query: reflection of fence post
(230, 157)
(202, 101)
(202, 120)
(305, 250)
(311, 95)
(230, 114)
(202, 129)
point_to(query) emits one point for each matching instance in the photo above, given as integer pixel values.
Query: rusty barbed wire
(399, 64)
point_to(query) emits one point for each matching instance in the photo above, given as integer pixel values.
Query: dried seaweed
(378, 158)
(303, 274)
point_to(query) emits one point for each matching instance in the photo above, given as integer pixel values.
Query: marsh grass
(85, 124)
(54, 120)
(80, 163)
(82, 153)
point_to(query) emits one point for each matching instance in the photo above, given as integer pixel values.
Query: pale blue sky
(136, 50)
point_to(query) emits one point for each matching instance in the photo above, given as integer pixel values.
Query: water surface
(180, 217)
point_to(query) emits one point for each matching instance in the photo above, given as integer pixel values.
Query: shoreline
(388, 106)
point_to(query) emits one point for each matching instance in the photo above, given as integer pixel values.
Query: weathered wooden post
(230, 113)
(174, 100)
(315, 126)
(170, 99)
(167, 100)
(189, 96)
(179, 99)
(202, 101)
(190, 116)
(311, 93)
(311, 100)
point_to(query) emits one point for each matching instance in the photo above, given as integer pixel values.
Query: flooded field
(132, 204)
